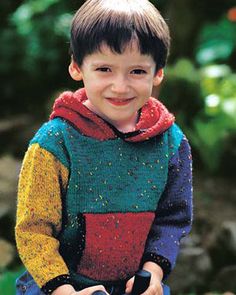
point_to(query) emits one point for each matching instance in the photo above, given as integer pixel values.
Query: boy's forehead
(130, 56)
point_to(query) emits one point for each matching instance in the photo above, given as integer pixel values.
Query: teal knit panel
(112, 175)
(51, 138)
(175, 136)
(115, 175)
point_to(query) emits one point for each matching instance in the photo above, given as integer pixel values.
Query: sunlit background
(199, 88)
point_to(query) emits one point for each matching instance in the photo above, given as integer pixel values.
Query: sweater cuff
(56, 282)
(158, 259)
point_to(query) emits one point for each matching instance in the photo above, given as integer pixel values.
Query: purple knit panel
(174, 212)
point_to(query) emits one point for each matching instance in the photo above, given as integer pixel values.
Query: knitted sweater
(95, 204)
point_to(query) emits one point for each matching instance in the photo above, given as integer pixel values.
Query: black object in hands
(99, 292)
(141, 282)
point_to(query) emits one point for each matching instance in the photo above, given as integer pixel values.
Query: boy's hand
(69, 290)
(155, 287)
(90, 290)
(129, 285)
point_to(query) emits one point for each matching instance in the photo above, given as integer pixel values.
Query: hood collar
(154, 118)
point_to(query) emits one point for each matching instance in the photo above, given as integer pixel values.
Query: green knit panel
(175, 136)
(112, 175)
(116, 176)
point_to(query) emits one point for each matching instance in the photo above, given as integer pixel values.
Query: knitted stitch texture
(42, 180)
(154, 118)
(86, 205)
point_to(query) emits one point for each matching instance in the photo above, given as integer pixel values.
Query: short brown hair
(116, 23)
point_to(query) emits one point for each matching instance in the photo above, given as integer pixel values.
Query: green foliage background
(34, 58)
(200, 79)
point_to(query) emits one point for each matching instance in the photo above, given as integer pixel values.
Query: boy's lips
(119, 101)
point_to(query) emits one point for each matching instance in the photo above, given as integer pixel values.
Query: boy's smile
(117, 85)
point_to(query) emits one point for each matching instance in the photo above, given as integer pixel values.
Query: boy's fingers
(91, 290)
(153, 290)
(100, 288)
(129, 285)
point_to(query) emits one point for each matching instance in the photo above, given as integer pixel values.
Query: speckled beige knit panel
(42, 179)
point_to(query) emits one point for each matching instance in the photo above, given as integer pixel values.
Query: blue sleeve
(173, 217)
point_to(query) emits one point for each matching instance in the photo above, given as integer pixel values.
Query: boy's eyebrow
(142, 65)
(99, 63)
(104, 63)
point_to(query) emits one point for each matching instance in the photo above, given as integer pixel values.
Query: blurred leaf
(209, 136)
(228, 86)
(22, 17)
(185, 69)
(216, 42)
(218, 80)
(212, 104)
(211, 77)
(62, 25)
(29, 8)
(181, 91)
(204, 102)
(229, 107)
(214, 50)
(216, 71)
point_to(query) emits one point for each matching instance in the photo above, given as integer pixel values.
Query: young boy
(105, 187)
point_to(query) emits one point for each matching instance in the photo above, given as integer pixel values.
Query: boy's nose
(120, 85)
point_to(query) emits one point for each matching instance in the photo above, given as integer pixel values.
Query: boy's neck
(126, 127)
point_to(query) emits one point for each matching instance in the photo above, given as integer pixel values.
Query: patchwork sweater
(94, 204)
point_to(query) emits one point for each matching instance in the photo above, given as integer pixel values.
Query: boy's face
(117, 85)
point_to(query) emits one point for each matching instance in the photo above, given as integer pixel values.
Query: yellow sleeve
(39, 211)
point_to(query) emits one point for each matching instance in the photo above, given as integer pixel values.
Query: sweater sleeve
(43, 180)
(174, 212)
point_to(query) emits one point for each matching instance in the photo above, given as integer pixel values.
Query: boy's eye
(138, 72)
(103, 69)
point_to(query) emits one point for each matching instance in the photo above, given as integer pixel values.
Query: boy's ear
(75, 71)
(158, 77)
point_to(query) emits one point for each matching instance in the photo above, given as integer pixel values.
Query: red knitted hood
(154, 118)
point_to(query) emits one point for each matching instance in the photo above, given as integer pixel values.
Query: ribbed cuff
(56, 282)
(158, 259)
